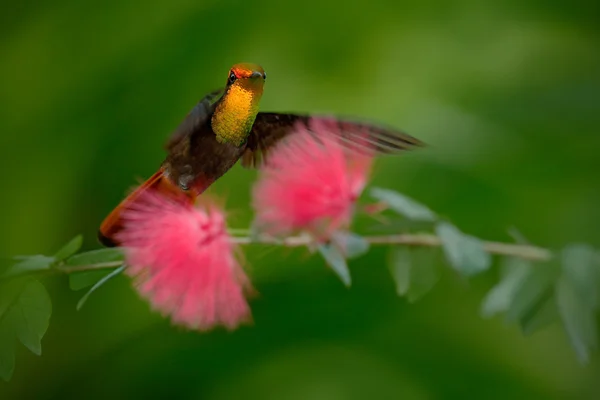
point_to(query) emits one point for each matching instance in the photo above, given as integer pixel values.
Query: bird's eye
(265, 76)
(232, 78)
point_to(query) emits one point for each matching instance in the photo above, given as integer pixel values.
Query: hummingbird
(226, 126)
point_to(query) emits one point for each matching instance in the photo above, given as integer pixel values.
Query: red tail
(113, 224)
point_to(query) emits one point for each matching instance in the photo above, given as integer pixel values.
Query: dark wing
(269, 128)
(195, 119)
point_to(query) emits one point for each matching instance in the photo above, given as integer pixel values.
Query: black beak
(256, 74)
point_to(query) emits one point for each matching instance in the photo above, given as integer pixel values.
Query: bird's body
(226, 126)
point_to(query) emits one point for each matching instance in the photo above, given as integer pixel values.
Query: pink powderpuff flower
(182, 260)
(311, 182)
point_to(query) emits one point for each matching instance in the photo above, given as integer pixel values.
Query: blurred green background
(506, 93)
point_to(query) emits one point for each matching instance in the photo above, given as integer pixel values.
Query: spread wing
(195, 118)
(269, 128)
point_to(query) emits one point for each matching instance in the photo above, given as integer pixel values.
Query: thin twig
(528, 252)
(67, 269)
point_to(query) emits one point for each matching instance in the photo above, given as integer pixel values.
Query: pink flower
(182, 261)
(311, 182)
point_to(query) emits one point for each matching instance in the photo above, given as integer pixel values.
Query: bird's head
(237, 109)
(247, 76)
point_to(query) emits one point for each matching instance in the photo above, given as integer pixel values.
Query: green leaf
(350, 244)
(414, 271)
(464, 253)
(8, 294)
(425, 273)
(255, 232)
(500, 297)
(96, 257)
(578, 318)
(537, 287)
(335, 259)
(97, 285)
(525, 292)
(7, 351)
(400, 265)
(404, 205)
(25, 310)
(81, 280)
(579, 265)
(517, 236)
(29, 264)
(70, 248)
(546, 314)
(32, 315)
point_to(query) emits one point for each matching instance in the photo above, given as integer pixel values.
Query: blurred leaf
(413, 271)
(546, 314)
(400, 266)
(70, 248)
(32, 315)
(531, 295)
(337, 262)
(25, 313)
(97, 285)
(81, 280)
(404, 205)
(29, 264)
(526, 293)
(500, 297)
(8, 293)
(578, 318)
(425, 272)
(464, 253)
(7, 351)
(350, 244)
(96, 257)
(579, 265)
(517, 235)
(254, 232)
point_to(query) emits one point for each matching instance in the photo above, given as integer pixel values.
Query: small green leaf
(8, 294)
(525, 292)
(578, 318)
(464, 253)
(337, 262)
(533, 292)
(25, 310)
(350, 244)
(425, 273)
(29, 264)
(32, 316)
(580, 267)
(70, 248)
(81, 280)
(96, 257)
(499, 298)
(517, 236)
(97, 285)
(255, 233)
(546, 314)
(400, 265)
(414, 271)
(404, 205)
(7, 350)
